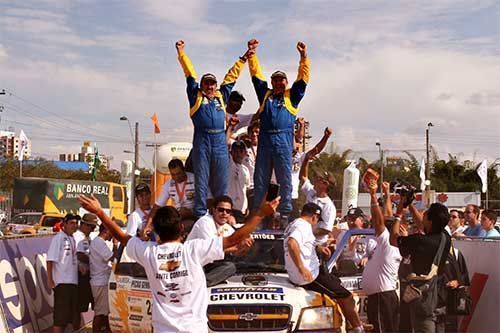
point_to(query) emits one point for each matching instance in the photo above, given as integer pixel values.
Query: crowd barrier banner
(25, 298)
(482, 259)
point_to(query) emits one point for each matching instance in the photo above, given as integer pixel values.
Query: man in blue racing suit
(207, 111)
(277, 113)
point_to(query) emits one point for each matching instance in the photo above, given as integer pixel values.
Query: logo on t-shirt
(170, 266)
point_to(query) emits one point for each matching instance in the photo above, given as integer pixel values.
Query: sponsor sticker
(273, 290)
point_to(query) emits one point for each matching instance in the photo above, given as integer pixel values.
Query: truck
(59, 196)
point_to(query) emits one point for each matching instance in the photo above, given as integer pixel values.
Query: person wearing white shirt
(318, 194)
(249, 161)
(170, 262)
(181, 190)
(62, 275)
(137, 220)
(239, 180)
(380, 276)
(216, 225)
(303, 265)
(101, 256)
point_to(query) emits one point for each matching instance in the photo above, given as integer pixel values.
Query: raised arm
(266, 209)
(387, 201)
(233, 74)
(301, 130)
(299, 86)
(189, 72)
(304, 168)
(371, 180)
(258, 80)
(93, 206)
(321, 144)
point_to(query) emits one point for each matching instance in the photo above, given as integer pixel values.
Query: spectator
(277, 113)
(180, 188)
(474, 229)
(455, 226)
(488, 220)
(171, 263)
(380, 276)
(82, 240)
(298, 160)
(216, 225)
(62, 275)
(234, 105)
(206, 104)
(101, 257)
(239, 180)
(420, 251)
(303, 265)
(249, 161)
(137, 220)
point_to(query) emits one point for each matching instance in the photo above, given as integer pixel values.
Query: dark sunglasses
(222, 210)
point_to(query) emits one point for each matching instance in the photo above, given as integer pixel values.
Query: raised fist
(179, 45)
(252, 44)
(328, 132)
(301, 47)
(301, 121)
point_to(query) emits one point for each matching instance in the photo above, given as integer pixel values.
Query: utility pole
(381, 157)
(136, 163)
(428, 152)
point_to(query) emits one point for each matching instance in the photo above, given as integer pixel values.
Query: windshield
(266, 255)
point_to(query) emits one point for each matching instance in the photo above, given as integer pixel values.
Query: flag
(422, 175)
(23, 145)
(482, 171)
(154, 118)
(95, 164)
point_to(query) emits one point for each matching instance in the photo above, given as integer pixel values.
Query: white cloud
(3, 53)
(177, 12)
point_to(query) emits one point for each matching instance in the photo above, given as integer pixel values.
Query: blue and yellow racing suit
(277, 115)
(210, 153)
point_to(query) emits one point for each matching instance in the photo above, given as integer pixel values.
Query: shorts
(65, 304)
(101, 301)
(328, 284)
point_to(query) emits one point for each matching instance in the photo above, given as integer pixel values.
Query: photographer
(425, 256)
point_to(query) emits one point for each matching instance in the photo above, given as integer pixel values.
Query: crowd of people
(234, 159)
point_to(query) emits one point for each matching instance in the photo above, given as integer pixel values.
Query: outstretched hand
(179, 45)
(302, 48)
(268, 208)
(90, 204)
(328, 132)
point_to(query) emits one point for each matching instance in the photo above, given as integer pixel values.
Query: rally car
(258, 298)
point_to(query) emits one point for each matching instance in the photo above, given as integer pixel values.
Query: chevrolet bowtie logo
(248, 316)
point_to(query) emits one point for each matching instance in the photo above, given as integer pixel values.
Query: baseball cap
(142, 188)
(209, 76)
(311, 208)
(71, 216)
(326, 176)
(356, 212)
(278, 74)
(236, 95)
(89, 218)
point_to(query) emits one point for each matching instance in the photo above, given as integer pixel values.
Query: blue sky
(381, 70)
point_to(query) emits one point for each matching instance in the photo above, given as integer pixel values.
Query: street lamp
(381, 157)
(136, 158)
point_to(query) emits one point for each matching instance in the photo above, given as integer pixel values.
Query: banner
(26, 300)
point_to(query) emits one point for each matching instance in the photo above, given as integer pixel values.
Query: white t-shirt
(249, 162)
(137, 221)
(238, 182)
(301, 231)
(177, 280)
(207, 228)
(100, 264)
(381, 271)
(83, 246)
(297, 160)
(62, 252)
(182, 194)
(328, 210)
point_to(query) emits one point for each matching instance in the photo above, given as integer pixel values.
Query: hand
(363, 262)
(268, 208)
(306, 274)
(386, 188)
(179, 45)
(249, 53)
(301, 121)
(231, 220)
(328, 132)
(233, 121)
(252, 44)
(50, 283)
(370, 178)
(90, 204)
(453, 284)
(247, 243)
(145, 234)
(324, 251)
(402, 231)
(302, 47)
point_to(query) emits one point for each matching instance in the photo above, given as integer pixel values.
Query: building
(397, 162)
(86, 154)
(9, 145)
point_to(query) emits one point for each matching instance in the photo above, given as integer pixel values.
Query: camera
(405, 190)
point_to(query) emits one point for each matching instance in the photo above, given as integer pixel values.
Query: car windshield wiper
(261, 267)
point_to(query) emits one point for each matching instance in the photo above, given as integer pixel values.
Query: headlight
(315, 318)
